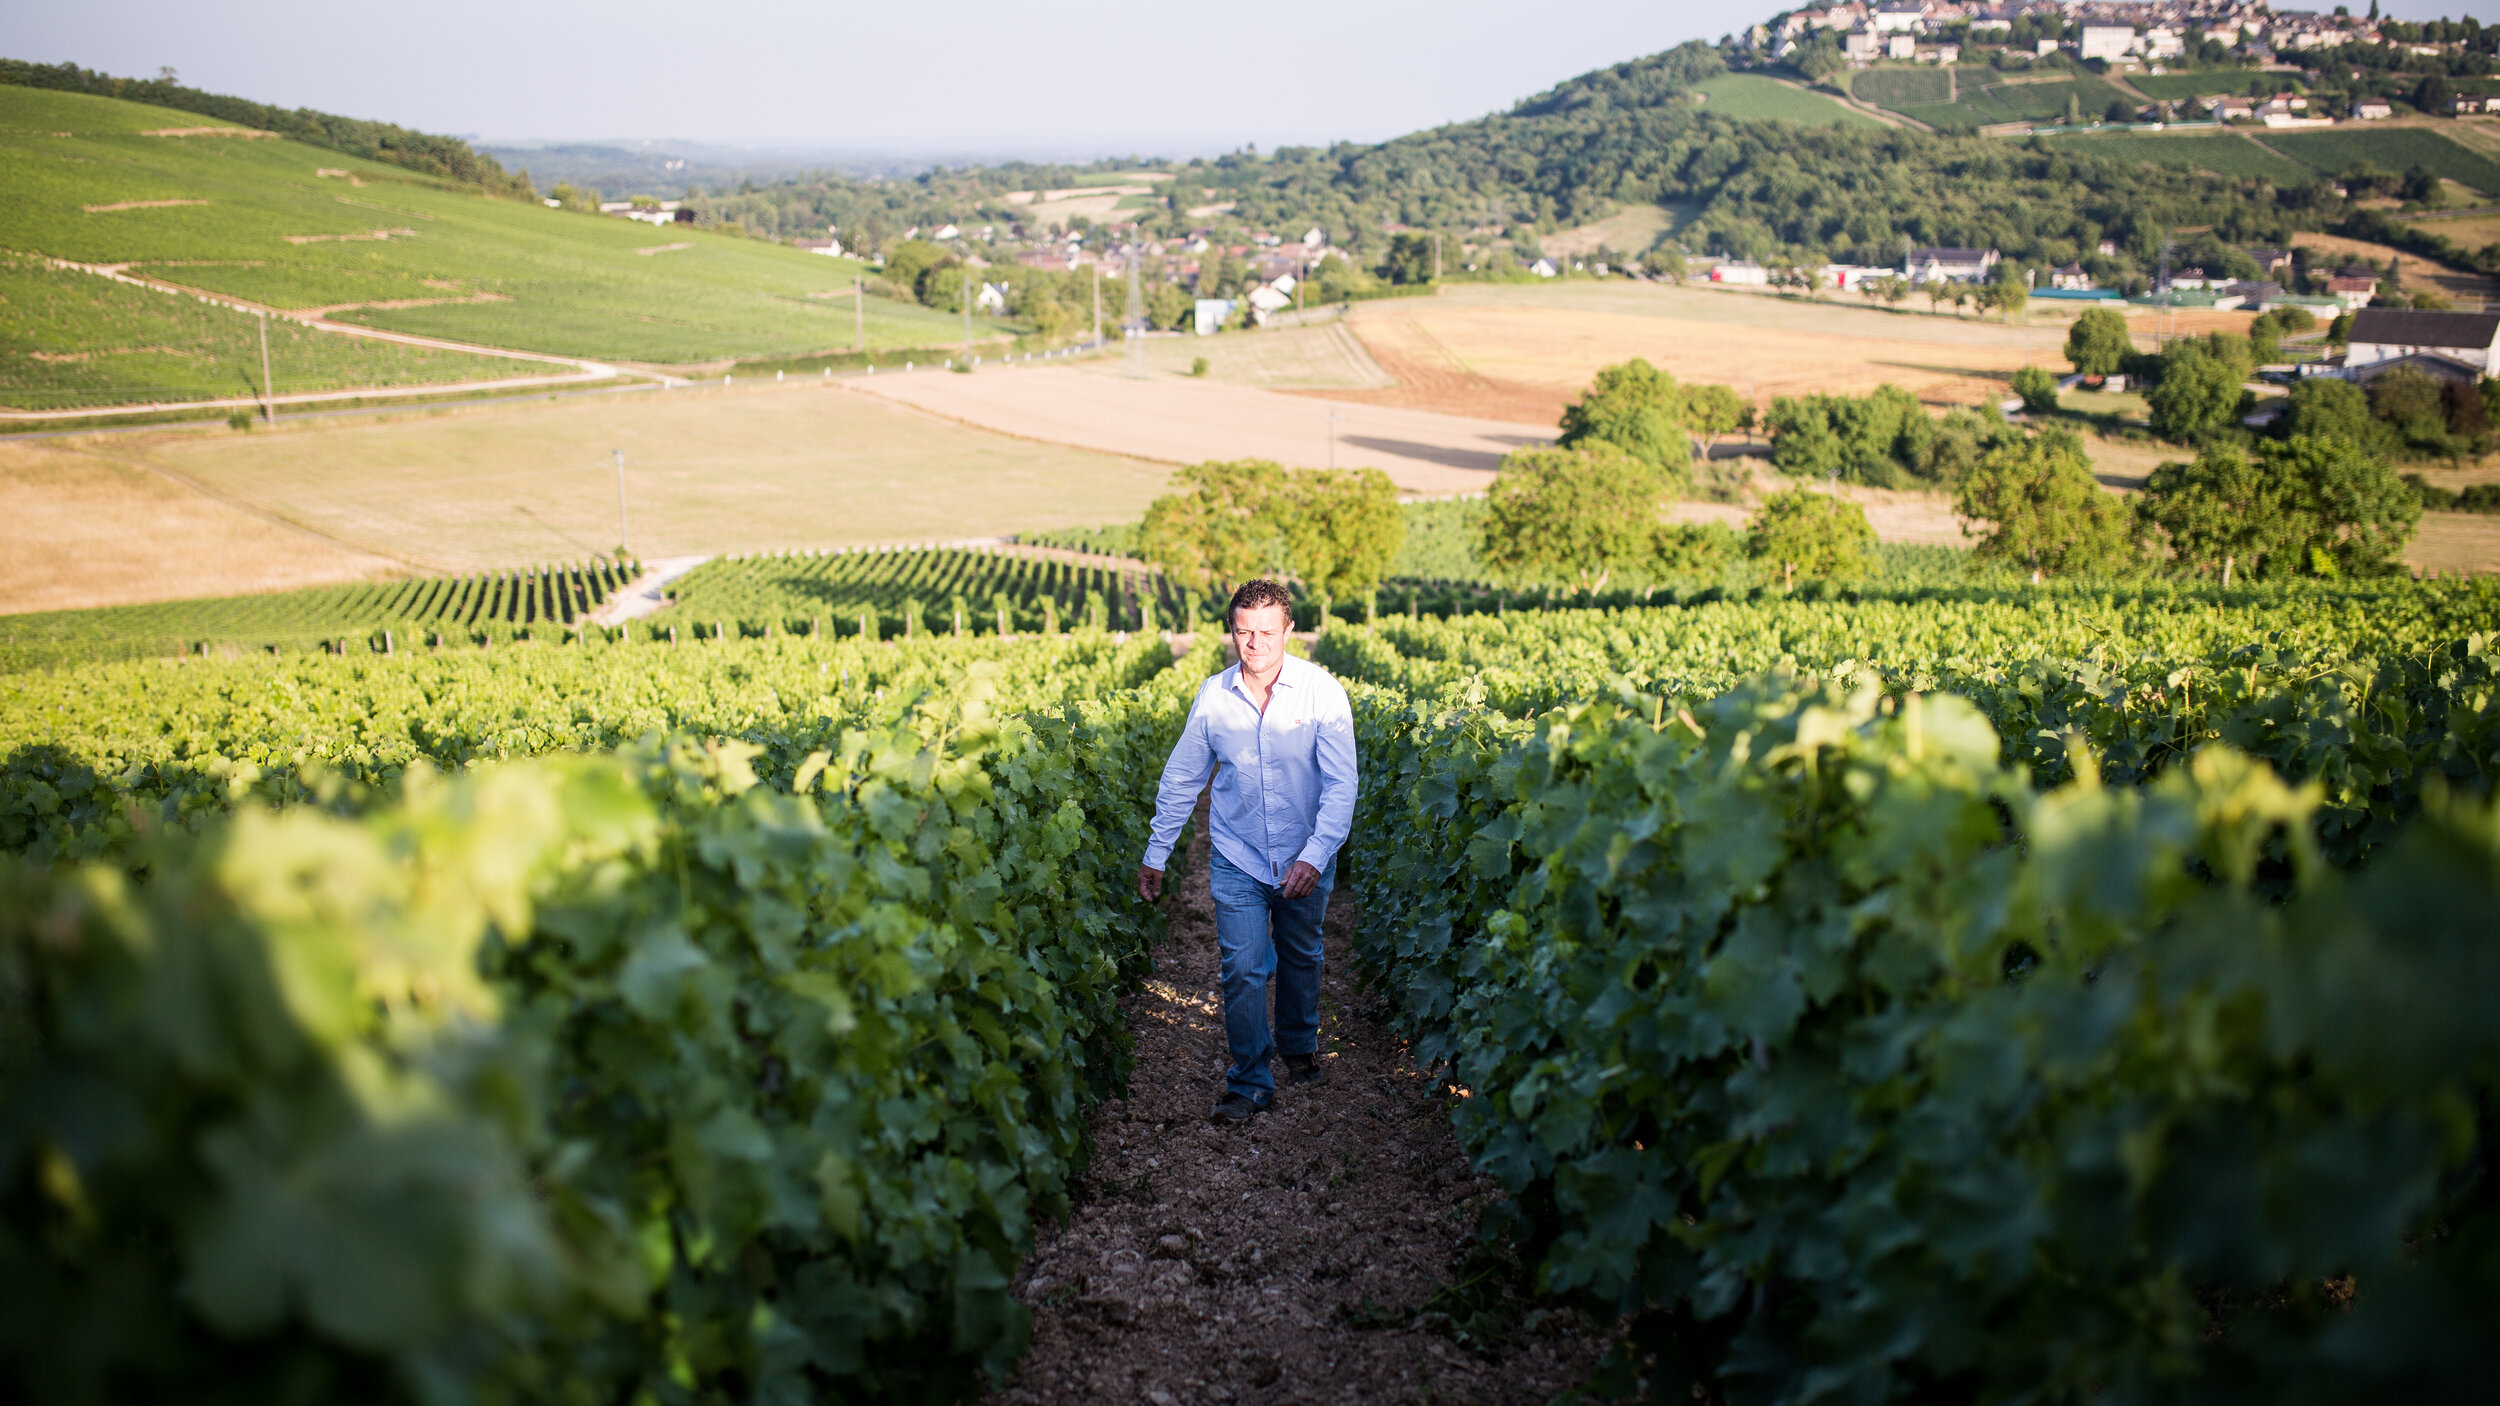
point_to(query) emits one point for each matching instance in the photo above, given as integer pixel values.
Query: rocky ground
(1295, 1259)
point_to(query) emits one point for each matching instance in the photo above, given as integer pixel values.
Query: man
(1277, 735)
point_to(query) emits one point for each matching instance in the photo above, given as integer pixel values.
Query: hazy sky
(910, 77)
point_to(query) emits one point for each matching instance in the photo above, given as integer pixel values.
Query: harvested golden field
(1180, 419)
(79, 526)
(1519, 353)
(107, 521)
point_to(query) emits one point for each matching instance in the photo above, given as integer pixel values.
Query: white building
(1743, 273)
(2107, 41)
(1899, 17)
(2383, 334)
(1901, 46)
(1863, 46)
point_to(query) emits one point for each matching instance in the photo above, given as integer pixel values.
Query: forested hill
(449, 157)
(1635, 134)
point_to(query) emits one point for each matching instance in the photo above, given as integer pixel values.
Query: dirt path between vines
(1233, 1264)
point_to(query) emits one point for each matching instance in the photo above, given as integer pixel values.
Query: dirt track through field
(1233, 1264)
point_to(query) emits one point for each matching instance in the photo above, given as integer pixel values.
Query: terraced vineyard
(480, 609)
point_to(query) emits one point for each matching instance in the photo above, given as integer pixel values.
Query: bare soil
(1281, 1261)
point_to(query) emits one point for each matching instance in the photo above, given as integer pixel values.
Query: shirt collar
(1284, 675)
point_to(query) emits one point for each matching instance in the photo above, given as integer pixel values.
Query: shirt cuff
(1157, 857)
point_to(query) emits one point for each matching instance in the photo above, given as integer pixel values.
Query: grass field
(707, 471)
(1988, 97)
(1631, 230)
(2389, 149)
(2469, 232)
(260, 219)
(74, 339)
(2176, 87)
(2225, 153)
(1898, 88)
(1755, 98)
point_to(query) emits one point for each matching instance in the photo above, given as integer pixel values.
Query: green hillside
(258, 218)
(73, 339)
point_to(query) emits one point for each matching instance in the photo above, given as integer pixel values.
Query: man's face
(1260, 636)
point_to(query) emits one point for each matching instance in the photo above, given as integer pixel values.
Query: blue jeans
(1262, 934)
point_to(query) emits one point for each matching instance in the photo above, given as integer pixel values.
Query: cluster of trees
(1884, 439)
(2198, 392)
(1592, 518)
(448, 157)
(1334, 530)
(2315, 495)
(1642, 411)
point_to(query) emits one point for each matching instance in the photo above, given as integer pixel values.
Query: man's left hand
(1300, 879)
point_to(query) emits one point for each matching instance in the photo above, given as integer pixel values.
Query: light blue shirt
(1284, 779)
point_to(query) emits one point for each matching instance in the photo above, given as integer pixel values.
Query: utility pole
(859, 314)
(1097, 268)
(967, 317)
(623, 539)
(1436, 256)
(268, 393)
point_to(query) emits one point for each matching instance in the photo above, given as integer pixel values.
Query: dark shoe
(1233, 1109)
(1304, 1069)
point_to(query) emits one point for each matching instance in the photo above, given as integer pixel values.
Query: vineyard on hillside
(486, 608)
(1941, 989)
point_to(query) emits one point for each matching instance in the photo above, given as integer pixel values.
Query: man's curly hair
(1257, 595)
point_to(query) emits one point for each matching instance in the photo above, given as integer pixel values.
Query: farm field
(82, 526)
(2173, 87)
(378, 245)
(1987, 97)
(2389, 149)
(1754, 97)
(449, 491)
(2225, 153)
(1898, 88)
(1861, 808)
(414, 613)
(1520, 353)
(73, 339)
(1176, 419)
(1321, 355)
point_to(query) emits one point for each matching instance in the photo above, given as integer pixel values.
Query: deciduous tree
(2199, 395)
(1637, 408)
(2037, 385)
(2098, 344)
(1571, 516)
(1800, 531)
(2226, 515)
(2041, 509)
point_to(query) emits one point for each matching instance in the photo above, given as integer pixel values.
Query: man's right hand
(1149, 883)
